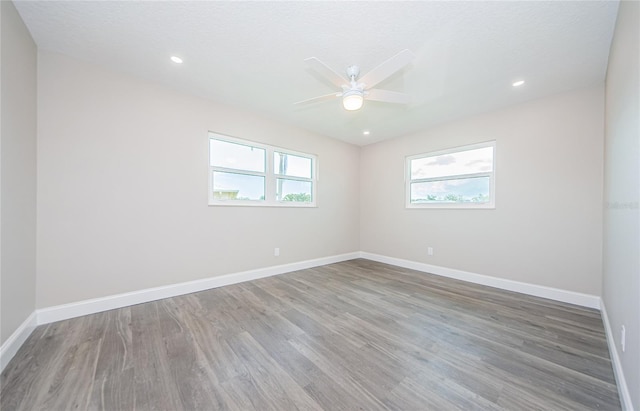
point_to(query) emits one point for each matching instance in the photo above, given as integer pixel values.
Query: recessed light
(518, 83)
(176, 59)
(366, 132)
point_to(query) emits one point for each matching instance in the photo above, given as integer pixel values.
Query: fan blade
(319, 98)
(326, 72)
(388, 96)
(386, 69)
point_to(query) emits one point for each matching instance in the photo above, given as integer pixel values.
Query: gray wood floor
(347, 336)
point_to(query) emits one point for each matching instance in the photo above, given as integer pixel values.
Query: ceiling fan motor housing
(353, 72)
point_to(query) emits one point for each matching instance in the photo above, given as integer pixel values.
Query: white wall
(546, 228)
(621, 274)
(18, 172)
(122, 188)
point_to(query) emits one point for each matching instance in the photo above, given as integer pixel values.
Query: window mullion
(270, 189)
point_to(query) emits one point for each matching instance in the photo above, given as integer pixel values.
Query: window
(246, 173)
(462, 177)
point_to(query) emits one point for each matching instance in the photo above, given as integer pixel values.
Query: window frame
(270, 176)
(491, 204)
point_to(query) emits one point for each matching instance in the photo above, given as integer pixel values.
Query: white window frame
(470, 205)
(270, 176)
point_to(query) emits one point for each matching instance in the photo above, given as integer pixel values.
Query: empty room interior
(320, 205)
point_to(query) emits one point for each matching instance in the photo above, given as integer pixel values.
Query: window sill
(263, 205)
(450, 207)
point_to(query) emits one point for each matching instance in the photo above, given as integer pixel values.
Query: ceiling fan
(356, 89)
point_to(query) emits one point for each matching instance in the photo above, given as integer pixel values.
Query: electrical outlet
(623, 336)
(430, 250)
(276, 252)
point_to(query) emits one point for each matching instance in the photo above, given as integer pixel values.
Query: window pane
(231, 186)
(466, 190)
(236, 156)
(290, 165)
(463, 162)
(294, 190)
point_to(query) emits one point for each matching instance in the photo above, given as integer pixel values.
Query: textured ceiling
(251, 54)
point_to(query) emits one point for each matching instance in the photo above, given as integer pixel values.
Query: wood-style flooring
(357, 335)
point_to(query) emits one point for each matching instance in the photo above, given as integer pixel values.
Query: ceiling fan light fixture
(352, 100)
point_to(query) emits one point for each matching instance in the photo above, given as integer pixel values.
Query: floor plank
(346, 336)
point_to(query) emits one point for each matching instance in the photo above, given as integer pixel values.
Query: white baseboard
(80, 308)
(76, 309)
(621, 382)
(95, 305)
(584, 300)
(15, 341)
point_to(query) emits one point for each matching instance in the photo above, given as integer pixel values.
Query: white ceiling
(251, 54)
